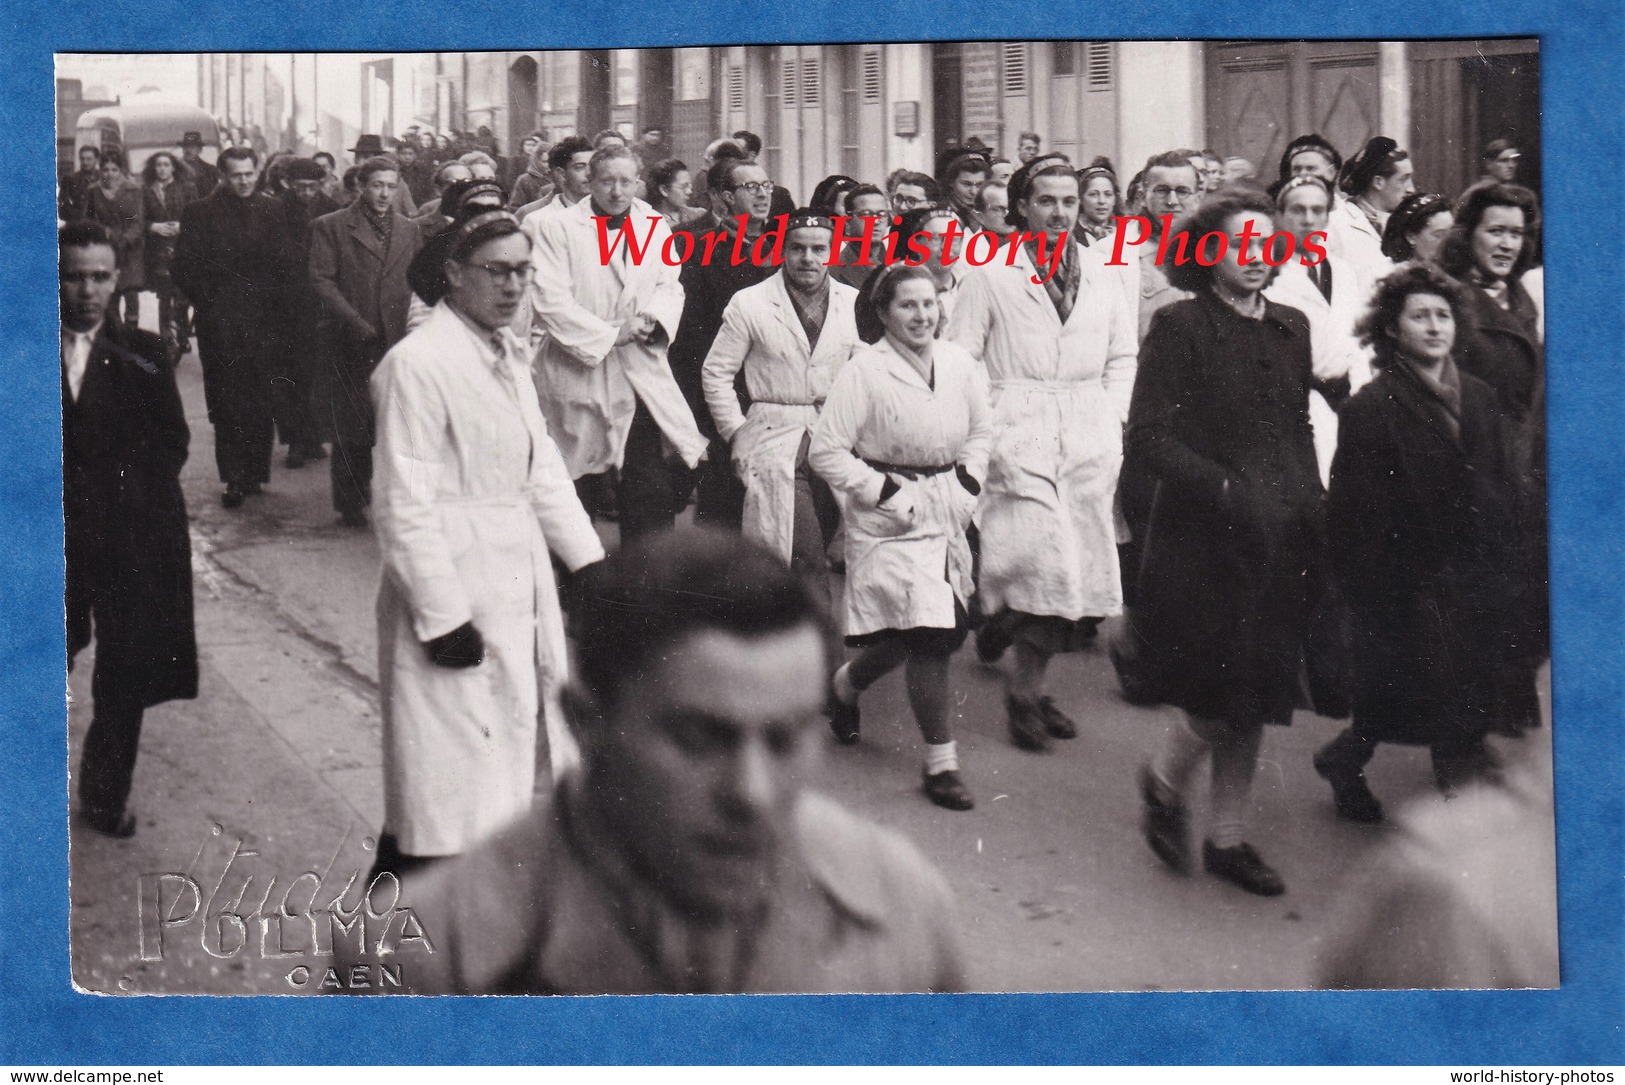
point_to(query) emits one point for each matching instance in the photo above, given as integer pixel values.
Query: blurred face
(613, 185)
(907, 198)
(488, 285)
(1504, 166)
(870, 205)
(752, 193)
(1305, 211)
(995, 213)
(304, 191)
(1170, 190)
(1199, 164)
(528, 147)
(806, 251)
(1316, 163)
(110, 172)
(379, 191)
(936, 231)
(965, 187)
(1099, 199)
(1498, 240)
(87, 159)
(1236, 169)
(698, 766)
(325, 161)
(1027, 151)
(450, 175)
(1248, 278)
(1051, 204)
(1426, 242)
(240, 176)
(1001, 172)
(88, 276)
(572, 180)
(653, 137)
(1425, 329)
(1387, 192)
(482, 171)
(163, 168)
(407, 153)
(911, 317)
(681, 188)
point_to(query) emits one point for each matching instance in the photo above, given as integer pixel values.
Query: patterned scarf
(1062, 287)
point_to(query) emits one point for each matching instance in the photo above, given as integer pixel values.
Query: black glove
(462, 647)
(967, 480)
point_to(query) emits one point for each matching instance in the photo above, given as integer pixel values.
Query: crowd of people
(1310, 484)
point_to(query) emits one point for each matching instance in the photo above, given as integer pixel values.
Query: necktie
(1323, 278)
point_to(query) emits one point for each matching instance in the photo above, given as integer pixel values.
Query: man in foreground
(687, 856)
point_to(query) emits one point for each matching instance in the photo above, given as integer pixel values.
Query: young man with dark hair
(782, 203)
(128, 554)
(688, 855)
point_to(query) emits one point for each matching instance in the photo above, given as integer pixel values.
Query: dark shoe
(353, 518)
(1056, 722)
(120, 825)
(1242, 867)
(843, 720)
(1026, 725)
(1350, 793)
(947, 790)
(1165, 823)
(233, 497)
(993, 639)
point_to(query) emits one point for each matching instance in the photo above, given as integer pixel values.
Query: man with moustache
(299, 314)
(128, 555)
(864, 204)
(689, 855)
(1062, 373)
(608, 392)
(742, 190)
(993, 210)
(358, 262)
(567, 163)
(227, 259)
(788, 336)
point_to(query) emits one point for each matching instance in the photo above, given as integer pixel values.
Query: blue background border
(43, 1020)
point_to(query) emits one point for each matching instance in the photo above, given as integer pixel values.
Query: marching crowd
(1313, 485)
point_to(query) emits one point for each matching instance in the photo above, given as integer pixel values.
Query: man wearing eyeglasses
(741, 189)
(1172, 187)
(909, 190)
(129, 560)
(607, 388)
(358, 262)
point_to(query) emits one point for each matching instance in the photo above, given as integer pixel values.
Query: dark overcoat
(226, 262)
(1232, 559)
(124, 215)
(129, 560)
(1424, 533)
(165, 204)
(358, 279)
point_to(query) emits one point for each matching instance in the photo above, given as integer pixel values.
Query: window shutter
(787, 88)
(1099, 74)
(871, 75)
(812, 73)
(1015, 68)
(736, 88)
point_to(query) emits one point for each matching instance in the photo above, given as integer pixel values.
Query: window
(872, 79)
(1065, 58)
(736, 88)
(693, 74)
(1015, 68)
(626, 76)
(792, 69)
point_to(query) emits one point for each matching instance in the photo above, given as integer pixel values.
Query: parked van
(143, 129)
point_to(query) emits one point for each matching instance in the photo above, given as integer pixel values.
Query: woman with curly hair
(1424, 535)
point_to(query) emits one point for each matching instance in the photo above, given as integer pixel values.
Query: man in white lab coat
(790, 334)
(1061, 356)
(609, 310)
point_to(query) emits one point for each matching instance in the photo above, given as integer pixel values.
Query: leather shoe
(1165, 823)
(119, 825)
(1350, 793)
(1242, 867)
(233, 497)
(1056, 722)
(1026, 725)
(844, 721)
(947, 790)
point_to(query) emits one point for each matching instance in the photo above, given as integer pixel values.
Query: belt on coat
(1054, 387)
(816, 404)
(913, 474)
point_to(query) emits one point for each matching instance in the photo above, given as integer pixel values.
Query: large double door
(1260, 95)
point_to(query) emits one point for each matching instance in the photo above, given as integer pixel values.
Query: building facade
(866, 109)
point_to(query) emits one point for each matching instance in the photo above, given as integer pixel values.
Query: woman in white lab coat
(470, 496)
(904, 436)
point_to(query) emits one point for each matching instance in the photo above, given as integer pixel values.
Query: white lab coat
(904, 573)
(1335, 352)
(787, 382)
(1060, 396)
(1353, 242)
(470, 493)
(590, 387)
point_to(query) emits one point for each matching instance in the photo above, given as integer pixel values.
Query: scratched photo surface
(259, 803)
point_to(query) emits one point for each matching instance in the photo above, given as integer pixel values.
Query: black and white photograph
(926, 517)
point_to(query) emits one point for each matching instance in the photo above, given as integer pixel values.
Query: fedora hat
(367, 146)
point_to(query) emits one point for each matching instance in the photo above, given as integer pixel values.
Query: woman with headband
(1375, 181)
(904, 436)
(1417, 229)
(1099, 203)
(472, 496)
